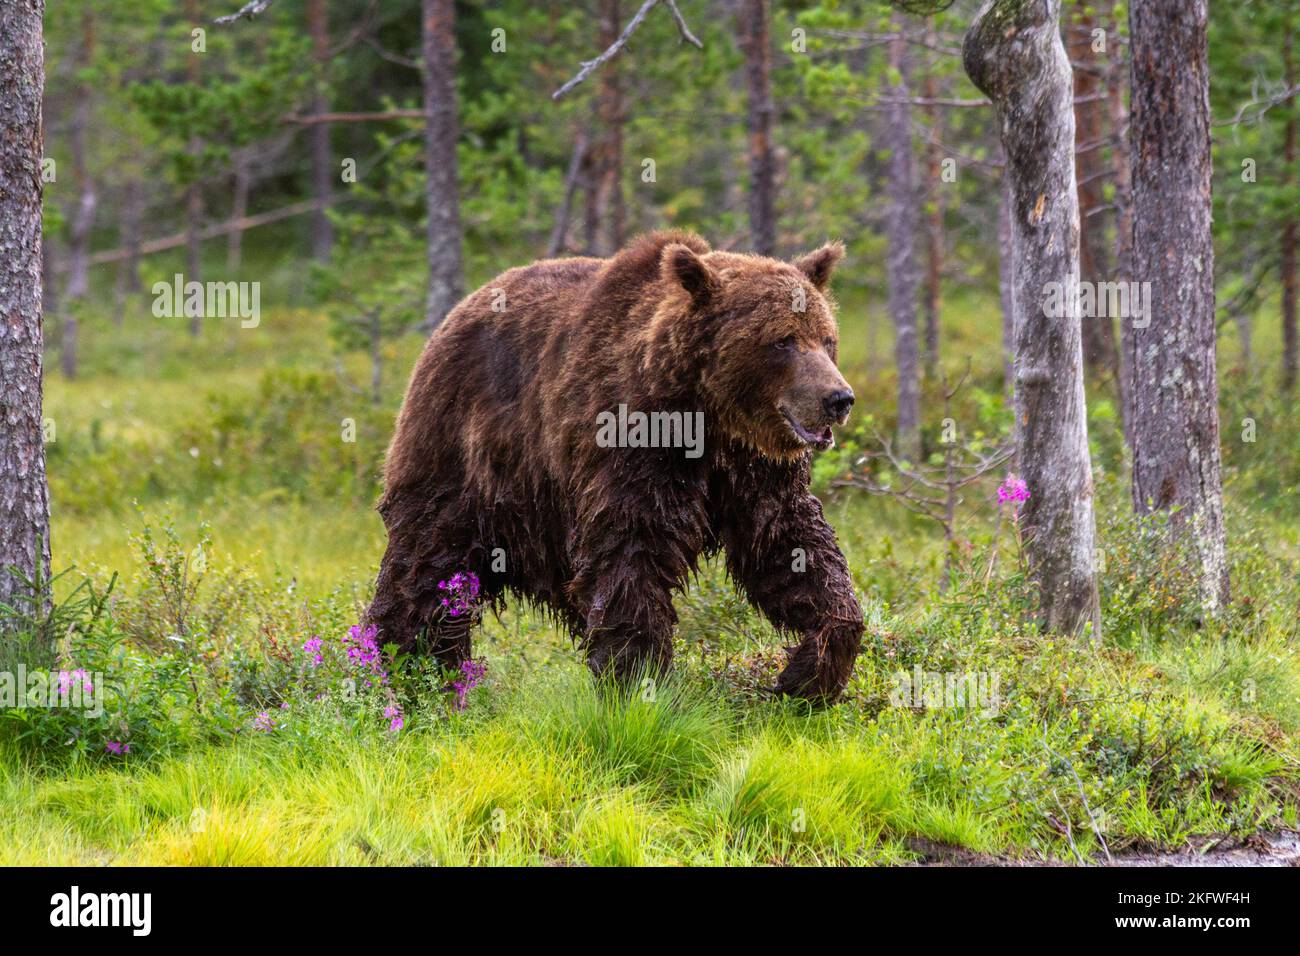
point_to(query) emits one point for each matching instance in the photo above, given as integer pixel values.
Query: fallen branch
(590, 66)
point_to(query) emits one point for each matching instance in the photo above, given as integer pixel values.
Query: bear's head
(768, 369)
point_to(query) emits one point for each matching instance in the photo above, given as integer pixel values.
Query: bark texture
(756, 44)
(442, 188)
(24, 498)
(901, 258)
(1014, 54)
(1175, 427)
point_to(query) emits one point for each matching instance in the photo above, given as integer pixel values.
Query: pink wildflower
(1013, 490)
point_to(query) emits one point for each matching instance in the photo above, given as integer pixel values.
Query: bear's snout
(838, 403)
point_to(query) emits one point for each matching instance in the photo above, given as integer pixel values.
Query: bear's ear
(820, 263)
(680, 264)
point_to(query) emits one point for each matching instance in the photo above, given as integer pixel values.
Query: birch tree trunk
(756, 44)
(24, 498)
(322, 160)
(1013, 53)
(901, 258)
(1175, 427)
(442, 187)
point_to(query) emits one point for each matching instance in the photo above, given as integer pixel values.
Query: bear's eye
(784, 344)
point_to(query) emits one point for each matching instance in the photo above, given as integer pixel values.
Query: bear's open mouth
(821, 440)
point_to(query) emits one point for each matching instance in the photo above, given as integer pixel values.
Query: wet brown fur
(496, 448)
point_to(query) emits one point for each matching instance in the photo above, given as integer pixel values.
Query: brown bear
(579, 432)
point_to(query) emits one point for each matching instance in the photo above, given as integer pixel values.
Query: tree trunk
(1013, 53)
(194, 192)
(24, 497)
(128, 270)
(243, 175)
(1116, 75)
(1100, 355)
(934, 217)
(442, 187)
(756, 44)
(610, 154)
(82, 220)
(1175, 428)
(1241, 318)
(1290, 341)
(322, 160)
(901, 259)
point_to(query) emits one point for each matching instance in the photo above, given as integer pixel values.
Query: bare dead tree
(1014, 55)
(1175, 426)
(560, 233)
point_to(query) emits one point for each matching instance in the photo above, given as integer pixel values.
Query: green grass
(1169, 731)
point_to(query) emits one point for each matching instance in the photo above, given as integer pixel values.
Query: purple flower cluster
(471, 674)
(264, 722)
(118, 747)
(1013, 490)
(462, 592)
(69, 678)
(364, 653)
(395, 721)
(312, 648)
